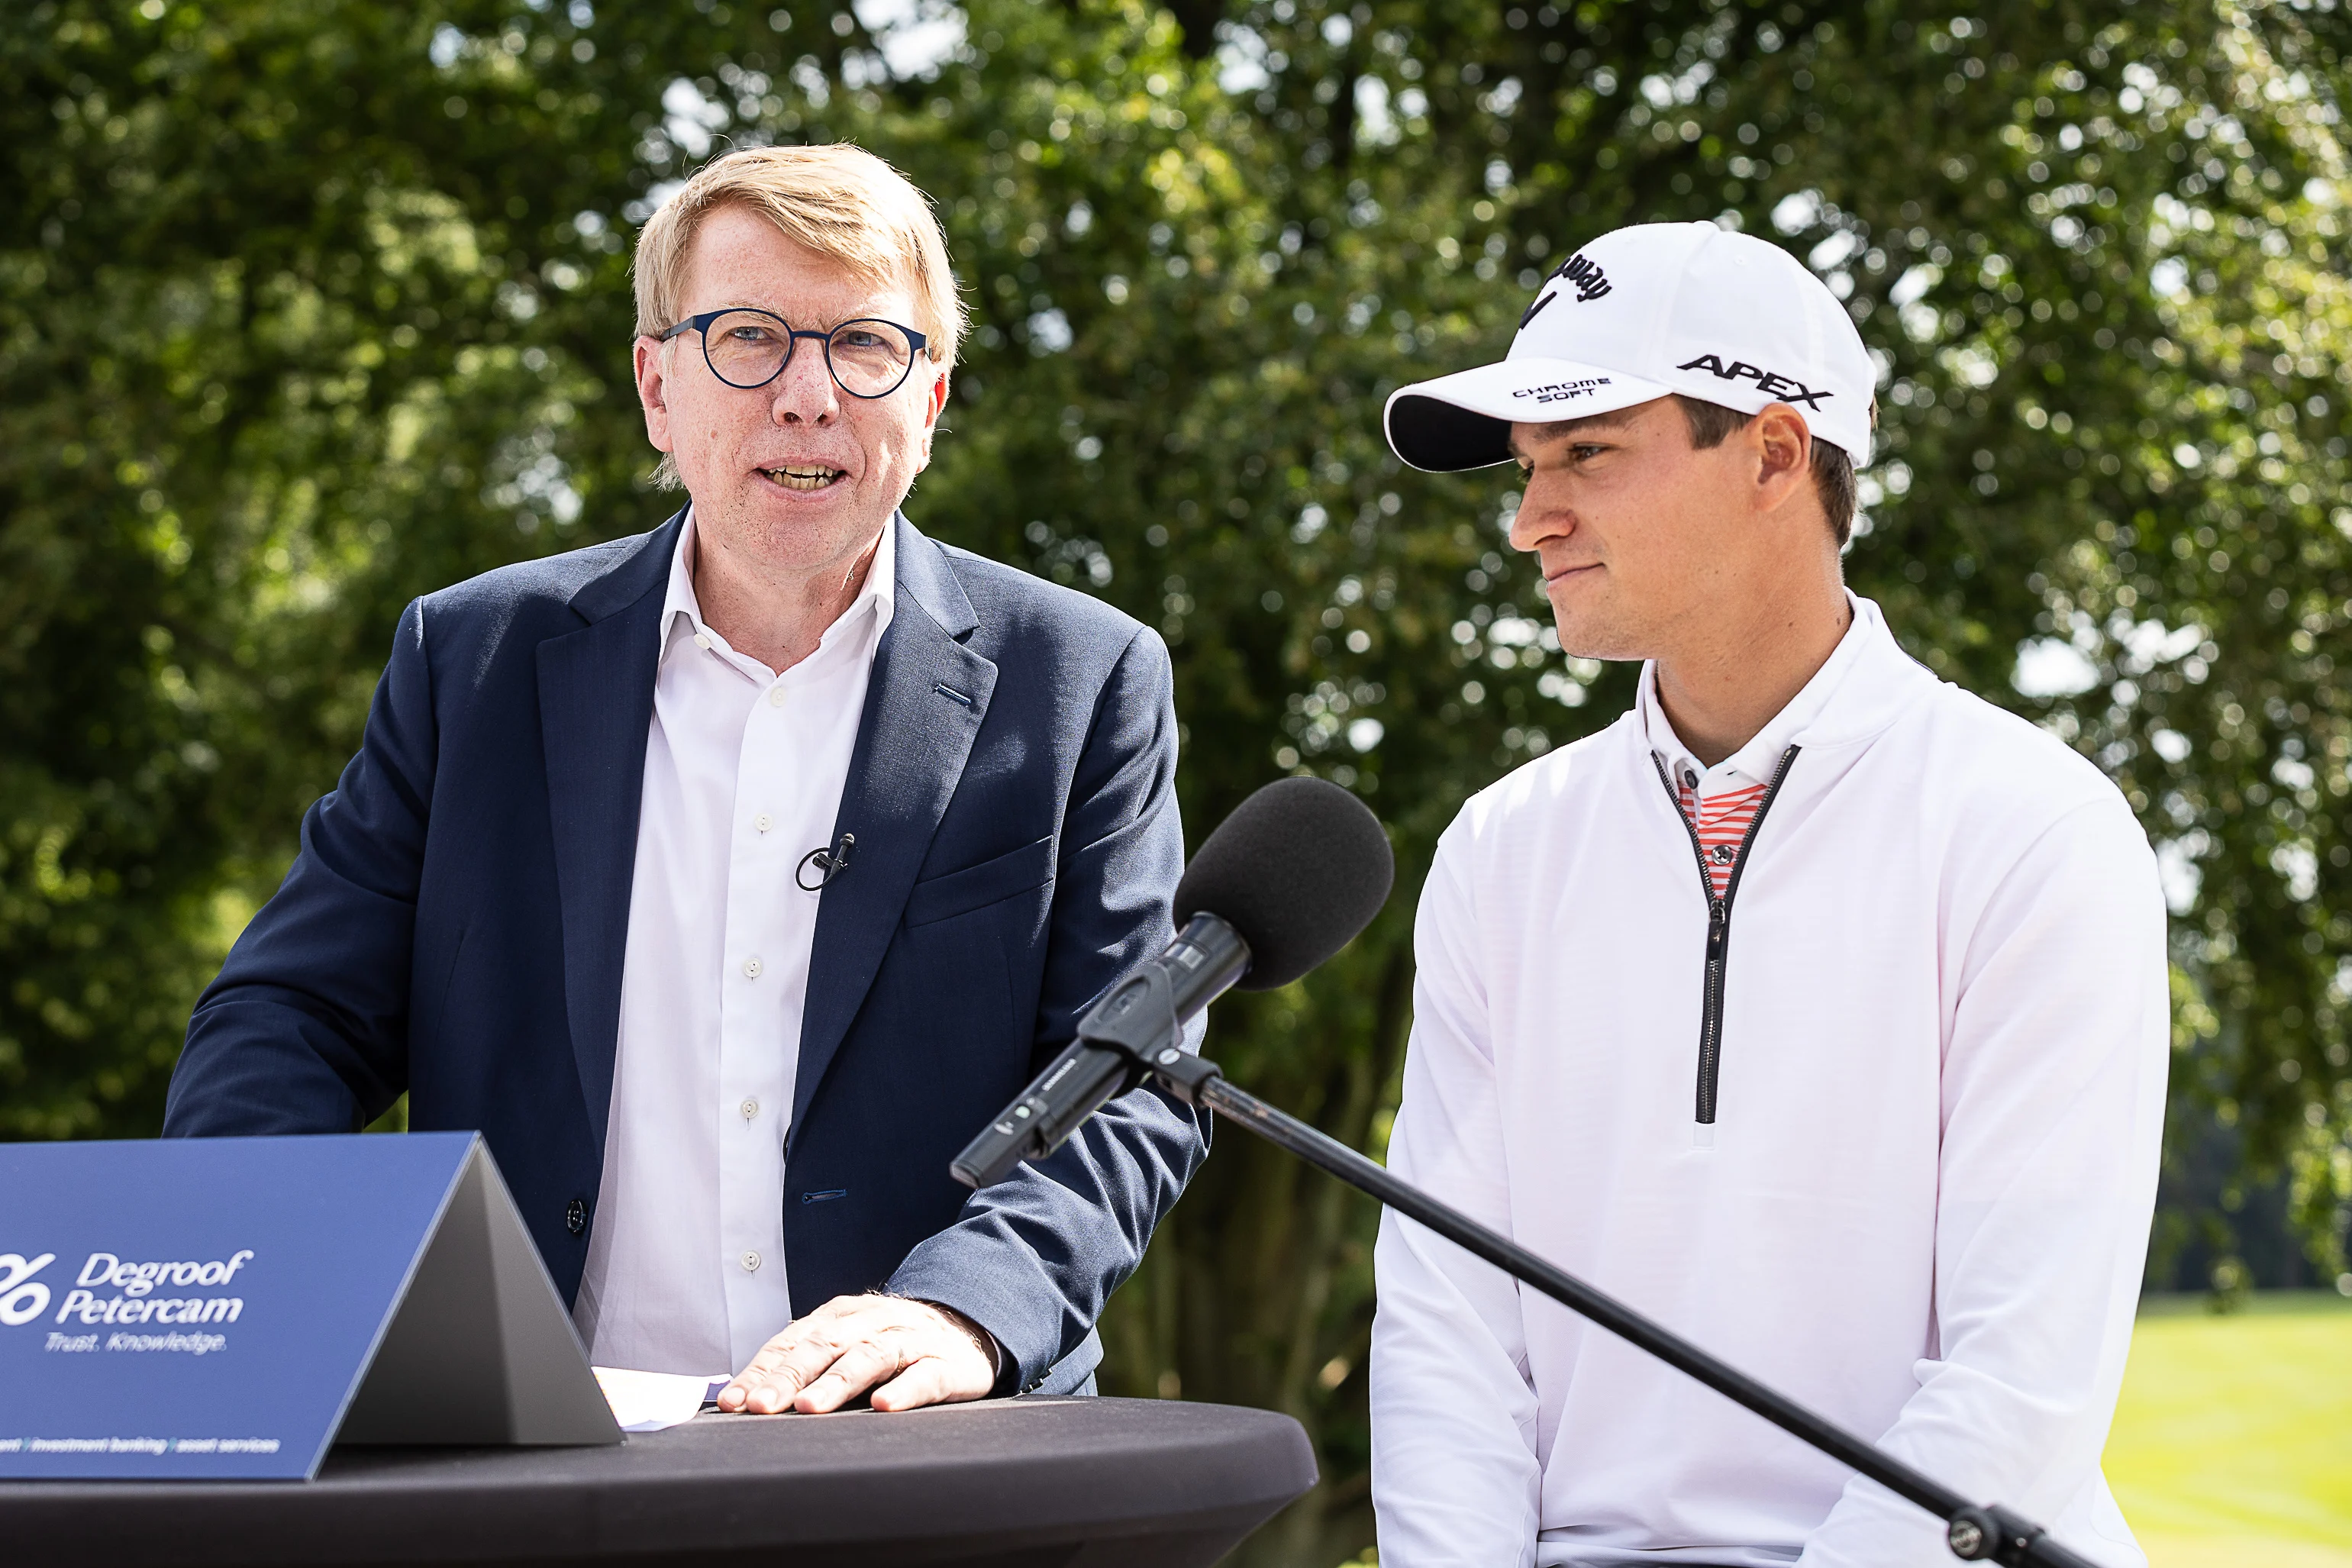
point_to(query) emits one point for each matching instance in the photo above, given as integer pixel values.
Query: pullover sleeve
(2056, 1044)
(1455, 1474)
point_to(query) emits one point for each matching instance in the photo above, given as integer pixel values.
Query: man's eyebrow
(748, 305)
(1615, 419)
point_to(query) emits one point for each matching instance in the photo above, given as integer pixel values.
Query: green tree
(316, 305)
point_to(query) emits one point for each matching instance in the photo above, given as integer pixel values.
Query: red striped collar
(1751, 766)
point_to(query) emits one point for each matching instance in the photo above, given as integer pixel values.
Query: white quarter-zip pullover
(1897, 1156)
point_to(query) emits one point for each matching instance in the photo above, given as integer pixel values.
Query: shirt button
(750, 969)
(775, 697)
(700, 641)
(751, 1108)
(763, 822)
(751, 1263)
(1690, 779)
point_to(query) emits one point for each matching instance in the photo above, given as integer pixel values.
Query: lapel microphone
(829, 861)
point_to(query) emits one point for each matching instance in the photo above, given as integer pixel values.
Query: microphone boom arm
(1974, 1532)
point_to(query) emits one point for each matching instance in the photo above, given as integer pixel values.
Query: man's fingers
(784, 1366)
(859, 1368)
(915, 1352)
(775, 1389)
(771, 1357)
(761, 1394)
(924, 1382)
(810, 1359)
(764, 1368)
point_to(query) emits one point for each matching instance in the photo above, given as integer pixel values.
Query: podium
(1046, 1483)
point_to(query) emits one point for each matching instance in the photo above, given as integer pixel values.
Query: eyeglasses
(748, 349)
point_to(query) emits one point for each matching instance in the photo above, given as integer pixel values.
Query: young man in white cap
(1893, 1149)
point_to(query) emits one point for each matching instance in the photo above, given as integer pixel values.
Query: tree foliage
(312, 305)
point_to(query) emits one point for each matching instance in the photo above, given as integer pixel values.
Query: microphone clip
(829, 861)
(1140, 1022)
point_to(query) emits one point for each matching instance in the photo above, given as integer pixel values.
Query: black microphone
(830, 860)
(1285, 882)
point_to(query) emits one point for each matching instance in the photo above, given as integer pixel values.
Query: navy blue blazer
(454, 924)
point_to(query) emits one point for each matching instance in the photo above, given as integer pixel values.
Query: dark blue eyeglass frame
(917, 343)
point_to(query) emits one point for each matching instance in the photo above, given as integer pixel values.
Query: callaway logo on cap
(1641, 312)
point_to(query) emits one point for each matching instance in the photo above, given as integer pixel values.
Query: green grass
(2232, 1443)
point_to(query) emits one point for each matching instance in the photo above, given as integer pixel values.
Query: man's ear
(934, 402)
(1782, 447)
(650, 358)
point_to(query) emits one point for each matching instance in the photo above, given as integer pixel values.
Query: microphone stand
(1975, 1532)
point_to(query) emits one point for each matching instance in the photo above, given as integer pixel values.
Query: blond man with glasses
(729, 875)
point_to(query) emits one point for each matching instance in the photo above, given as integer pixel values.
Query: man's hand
(910, 1352)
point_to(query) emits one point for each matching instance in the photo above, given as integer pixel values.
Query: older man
(729, 875)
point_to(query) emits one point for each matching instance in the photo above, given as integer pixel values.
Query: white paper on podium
(650, 1401)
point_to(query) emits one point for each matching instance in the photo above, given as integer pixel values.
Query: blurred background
(310, 306)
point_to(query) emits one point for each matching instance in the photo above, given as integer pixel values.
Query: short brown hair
(1711, 424)
(841, 202)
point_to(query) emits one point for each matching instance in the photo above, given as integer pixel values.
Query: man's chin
(1586, 629)
(1589, 636)
(791, 530)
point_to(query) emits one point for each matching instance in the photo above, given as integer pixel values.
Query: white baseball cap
(1640, 313)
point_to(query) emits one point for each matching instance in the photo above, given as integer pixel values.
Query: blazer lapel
(912, 742)
(595, 709)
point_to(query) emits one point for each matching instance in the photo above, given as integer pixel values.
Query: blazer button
(575, 1217)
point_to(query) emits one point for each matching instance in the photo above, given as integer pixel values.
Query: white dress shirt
(744, 771)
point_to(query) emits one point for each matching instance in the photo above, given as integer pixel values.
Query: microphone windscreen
(1298, 868)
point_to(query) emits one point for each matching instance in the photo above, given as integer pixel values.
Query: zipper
(1719, 923)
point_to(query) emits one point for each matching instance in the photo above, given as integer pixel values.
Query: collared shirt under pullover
(1897, 1159)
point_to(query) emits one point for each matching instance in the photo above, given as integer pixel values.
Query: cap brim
(1463, 420)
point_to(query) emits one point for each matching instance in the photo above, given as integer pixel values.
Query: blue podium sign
(227, 1308)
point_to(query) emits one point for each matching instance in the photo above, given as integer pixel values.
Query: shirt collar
(1754, 763)
(681, 617)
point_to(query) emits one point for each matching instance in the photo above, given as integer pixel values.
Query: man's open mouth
(804, 476)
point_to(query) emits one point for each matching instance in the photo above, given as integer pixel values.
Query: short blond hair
(839, 201)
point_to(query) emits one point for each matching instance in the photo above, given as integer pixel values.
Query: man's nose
(1542, 516)
(804, 394)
